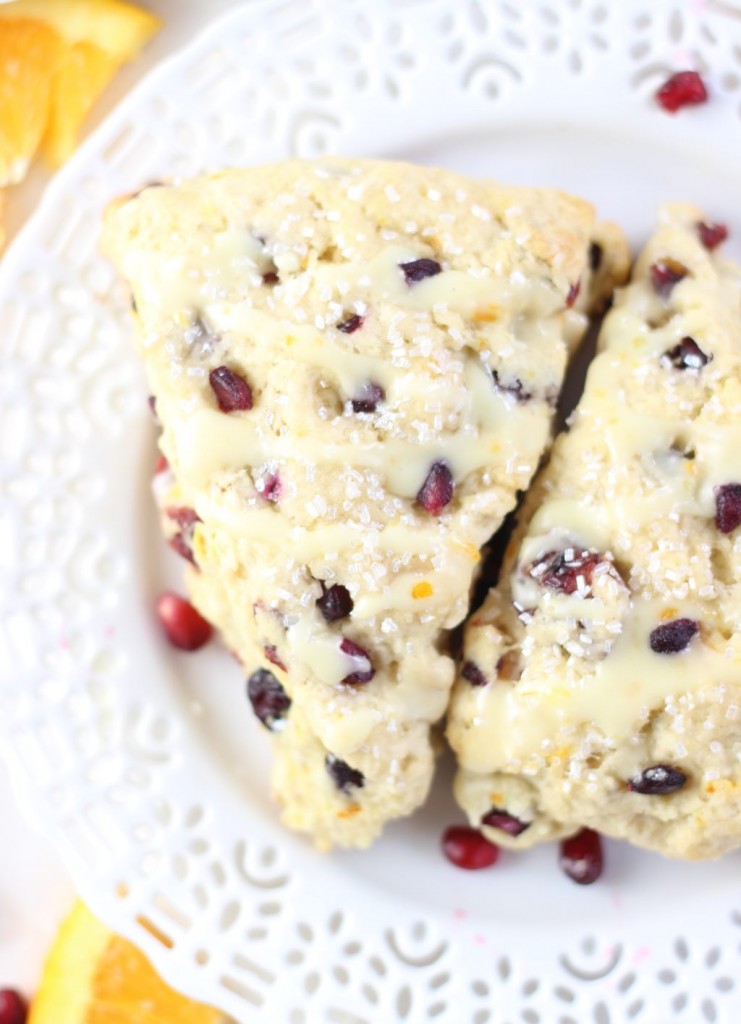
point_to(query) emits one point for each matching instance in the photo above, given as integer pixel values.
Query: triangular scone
(601, 685)
(355, 365)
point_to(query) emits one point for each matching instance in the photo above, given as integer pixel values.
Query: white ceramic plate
(144, 766)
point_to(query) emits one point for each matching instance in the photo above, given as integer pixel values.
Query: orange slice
(119, 28)
(94, 977)
(29, 54)
(94, 37)
(84, 72)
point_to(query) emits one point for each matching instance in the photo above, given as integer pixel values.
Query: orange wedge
(117, 27)
(29, 54)
(94, 977)
(57, 88)
(83, 74)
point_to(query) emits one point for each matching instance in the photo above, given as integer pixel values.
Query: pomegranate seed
(13, 1007)
(418, 270)
(183, 626)
(712, 235)
(566, 571)
(437, 490)
(361, 675)
(686, 355)
(232, 392)
(467, 848)
(473, 674)
(658, 780)
(573, 294)
(368, 397)
(271, 653)
(344, 777)
(665, 274)
(505, 822)
(581, 857)
(684, 89)
(335, 603)
(272, 488)
(728, 507)
(352, 324)
(161, 465)
(269, 700)
(673, 637)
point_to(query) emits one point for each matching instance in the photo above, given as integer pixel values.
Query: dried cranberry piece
(665, 274)
(182, 547)
(13, 1007)
(473, 674)
(344, 777)
(352, 324)
(595, 256)
(269, 700)
(658, 780)
(272, 488)
(673, 637)
(566, 571)
(368, 397)
(581, 857)
(361, 675)
(467, 848)
(271, 276)
(516, 388)
(185, 517)
(271, 653)
(573, 294)
(712, 235)
(437, 490)
(183, 626)
(232, 392)
(418, 270)
(728, 507)
(335, 603)
(683, 89)
(686, 355)
(161, 465)
(496, 818)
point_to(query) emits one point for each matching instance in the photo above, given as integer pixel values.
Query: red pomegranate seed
(361, 675)
(712, 235)
(684, 89)
(13, 1007)
(437, 490)
(573, 294)
(673, 637)
(665, 274)
(582, 858)
(467, 848)
(728, 507)
(232, 392)
(183, 626)
(272, 488)
(161, 465)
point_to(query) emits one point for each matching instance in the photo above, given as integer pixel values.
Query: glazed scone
(601, 684)
(355, 365)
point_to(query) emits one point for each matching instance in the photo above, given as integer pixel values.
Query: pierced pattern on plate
(229, 908)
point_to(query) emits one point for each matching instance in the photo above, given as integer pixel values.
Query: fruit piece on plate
(351, 394)
(29, 54)
(92, 976)
(121, 29)
(92, 38)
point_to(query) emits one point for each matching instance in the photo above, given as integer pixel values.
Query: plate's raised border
(155, 843)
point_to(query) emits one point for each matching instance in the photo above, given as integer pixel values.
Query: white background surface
(34, 891)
